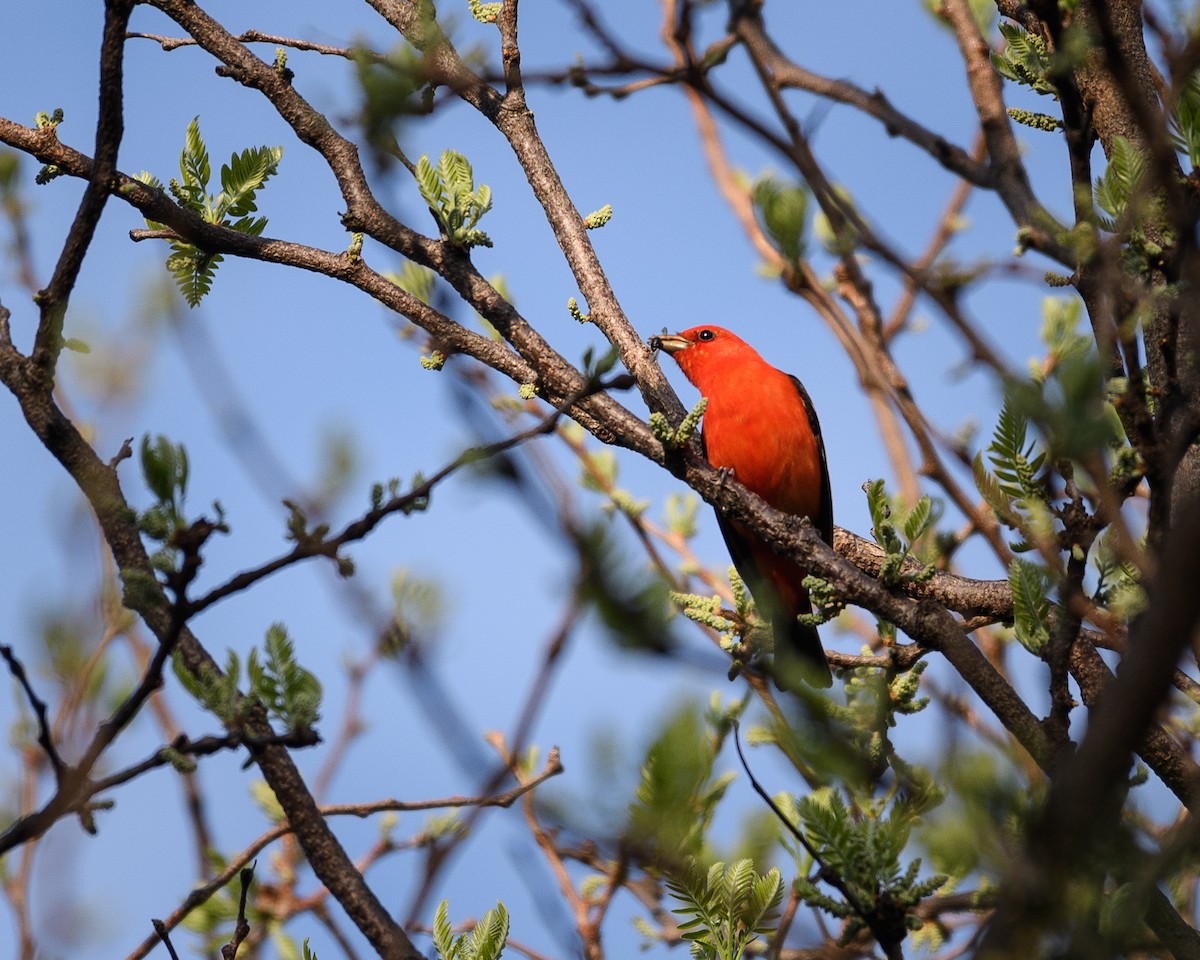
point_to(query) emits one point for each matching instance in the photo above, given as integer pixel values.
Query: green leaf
(680, 515)
(919, 520)
(253, 226)
(678, 794)
(1185, 121)
(982, 11)
(165, 469)
(889, 521)
(242, 178)
(286, 689)
(1118, 585)
(783, 210)
(1060, 324)
(193, 270)
(215, 691)
(192, 267)
(485, 941)
(865, 843)
(429, 183)
(449, 191)
(1120, 182)
(596, 367)
(443, 938)
(194, 167)
(724, 910)
(1013, 455)
(266, 801)
(843, 240)
(490, 935)
(1024, 59)
(1031, 609)
(991, 490)
(415, 279)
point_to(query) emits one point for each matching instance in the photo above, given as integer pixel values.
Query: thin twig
(164, 935)
(241, 928)
(882, 931)
(257, 36)
(401, 503)
(45, 741)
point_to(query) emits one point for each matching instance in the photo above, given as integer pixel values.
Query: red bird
(761, 426)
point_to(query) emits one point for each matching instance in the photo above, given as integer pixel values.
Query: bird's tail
(799, 656)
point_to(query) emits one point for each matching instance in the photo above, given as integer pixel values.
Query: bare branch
(1012, 180)
(257, 36)
(109, 129)
(44, 739)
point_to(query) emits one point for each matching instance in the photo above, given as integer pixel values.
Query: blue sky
(310, 358)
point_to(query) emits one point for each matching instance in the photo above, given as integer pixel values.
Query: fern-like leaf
(1031, 609)
(286, 689)
(1024, 60)
(487, 940)
(192, 267)
(449, 191)
(1120, 181)
(443, 936)
(1012, 455)
(919, 519)
(429, 184)
(194, 167)
(1185, 121)
(241, 179)
(193, 270)
(724, 909)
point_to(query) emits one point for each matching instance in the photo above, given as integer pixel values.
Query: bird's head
(702, 352)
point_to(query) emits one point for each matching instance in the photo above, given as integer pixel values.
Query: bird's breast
(763, 435)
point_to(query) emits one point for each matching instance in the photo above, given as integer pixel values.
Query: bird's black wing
(792, 637)
(823, 521)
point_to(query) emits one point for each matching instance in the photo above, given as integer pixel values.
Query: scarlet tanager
(760, 425)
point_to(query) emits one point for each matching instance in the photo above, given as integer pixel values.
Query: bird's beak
(669, 343)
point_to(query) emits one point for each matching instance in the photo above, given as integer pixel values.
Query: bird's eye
(706, 335)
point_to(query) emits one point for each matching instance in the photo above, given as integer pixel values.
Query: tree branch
(200, 895)
(109, 128)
